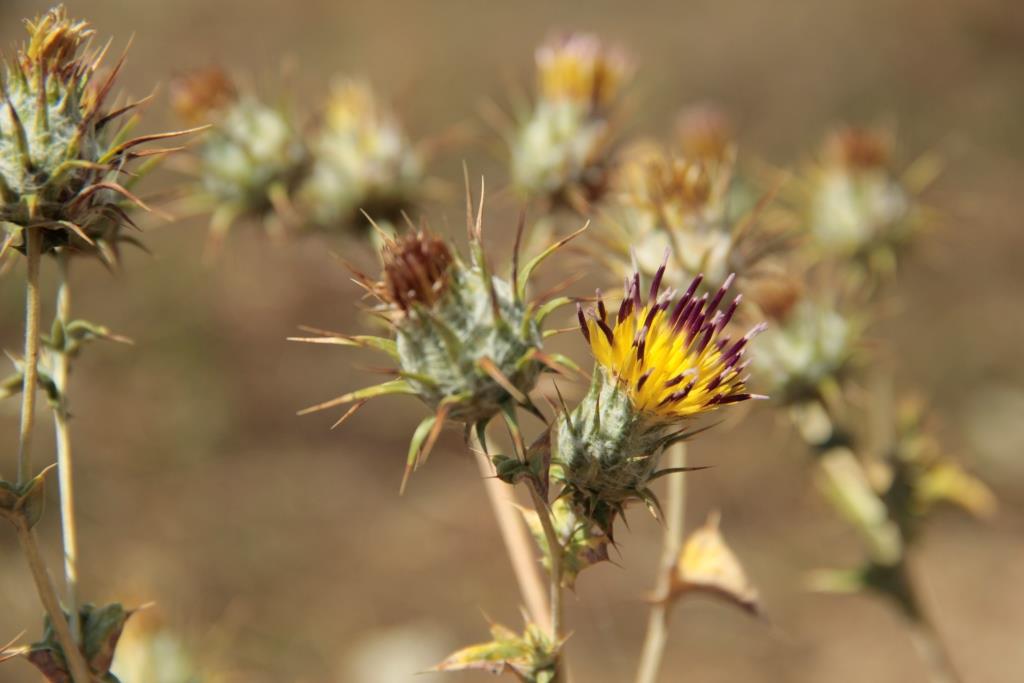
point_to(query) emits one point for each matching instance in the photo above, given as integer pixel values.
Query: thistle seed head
(694, 205)
(466, 342)
(415, 270)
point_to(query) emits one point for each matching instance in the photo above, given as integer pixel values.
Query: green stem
(48, 596)
(62, 363)
(675, 522)
(33, 250)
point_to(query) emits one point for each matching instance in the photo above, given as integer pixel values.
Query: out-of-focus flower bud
(563, 150)
(362, 161)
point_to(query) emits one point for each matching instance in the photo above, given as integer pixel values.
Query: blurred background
(278, 550)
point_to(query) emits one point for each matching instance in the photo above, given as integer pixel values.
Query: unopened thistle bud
(250, 161)
(812, 344)
(660, 362)
(563, 150)
(362, 161)
(63, 155)
(467, 342)
(856, 204)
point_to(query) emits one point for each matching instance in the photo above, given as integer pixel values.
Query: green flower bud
(362, 161)
(812, 345)
(250, 161)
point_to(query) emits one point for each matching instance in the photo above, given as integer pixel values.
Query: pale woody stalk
(517, 540)
(675, 524)
(62, 433)
(26, 536)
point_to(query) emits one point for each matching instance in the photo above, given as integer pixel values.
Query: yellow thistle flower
(660, 362)
(580, 68)
(563, 149)
(665, 359)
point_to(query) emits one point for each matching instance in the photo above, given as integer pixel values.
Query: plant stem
(926, 639)
(33, 250)
(518, 542)
(675, 522)
(72, 655)
(933, 651)
(928, 642)
(62, 362)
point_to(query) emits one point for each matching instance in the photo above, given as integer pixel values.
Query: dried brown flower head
(197, 94)
(705, 132)
(415, 269)
(858, 148)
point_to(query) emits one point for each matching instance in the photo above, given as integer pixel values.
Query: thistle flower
(660, 362)
(854, 203)
(251, 160)
(563, 149)
(692, 202)
(362, 160)
(62, 152)
(467, 343)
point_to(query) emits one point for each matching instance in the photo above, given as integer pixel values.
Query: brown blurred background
(281, 552)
